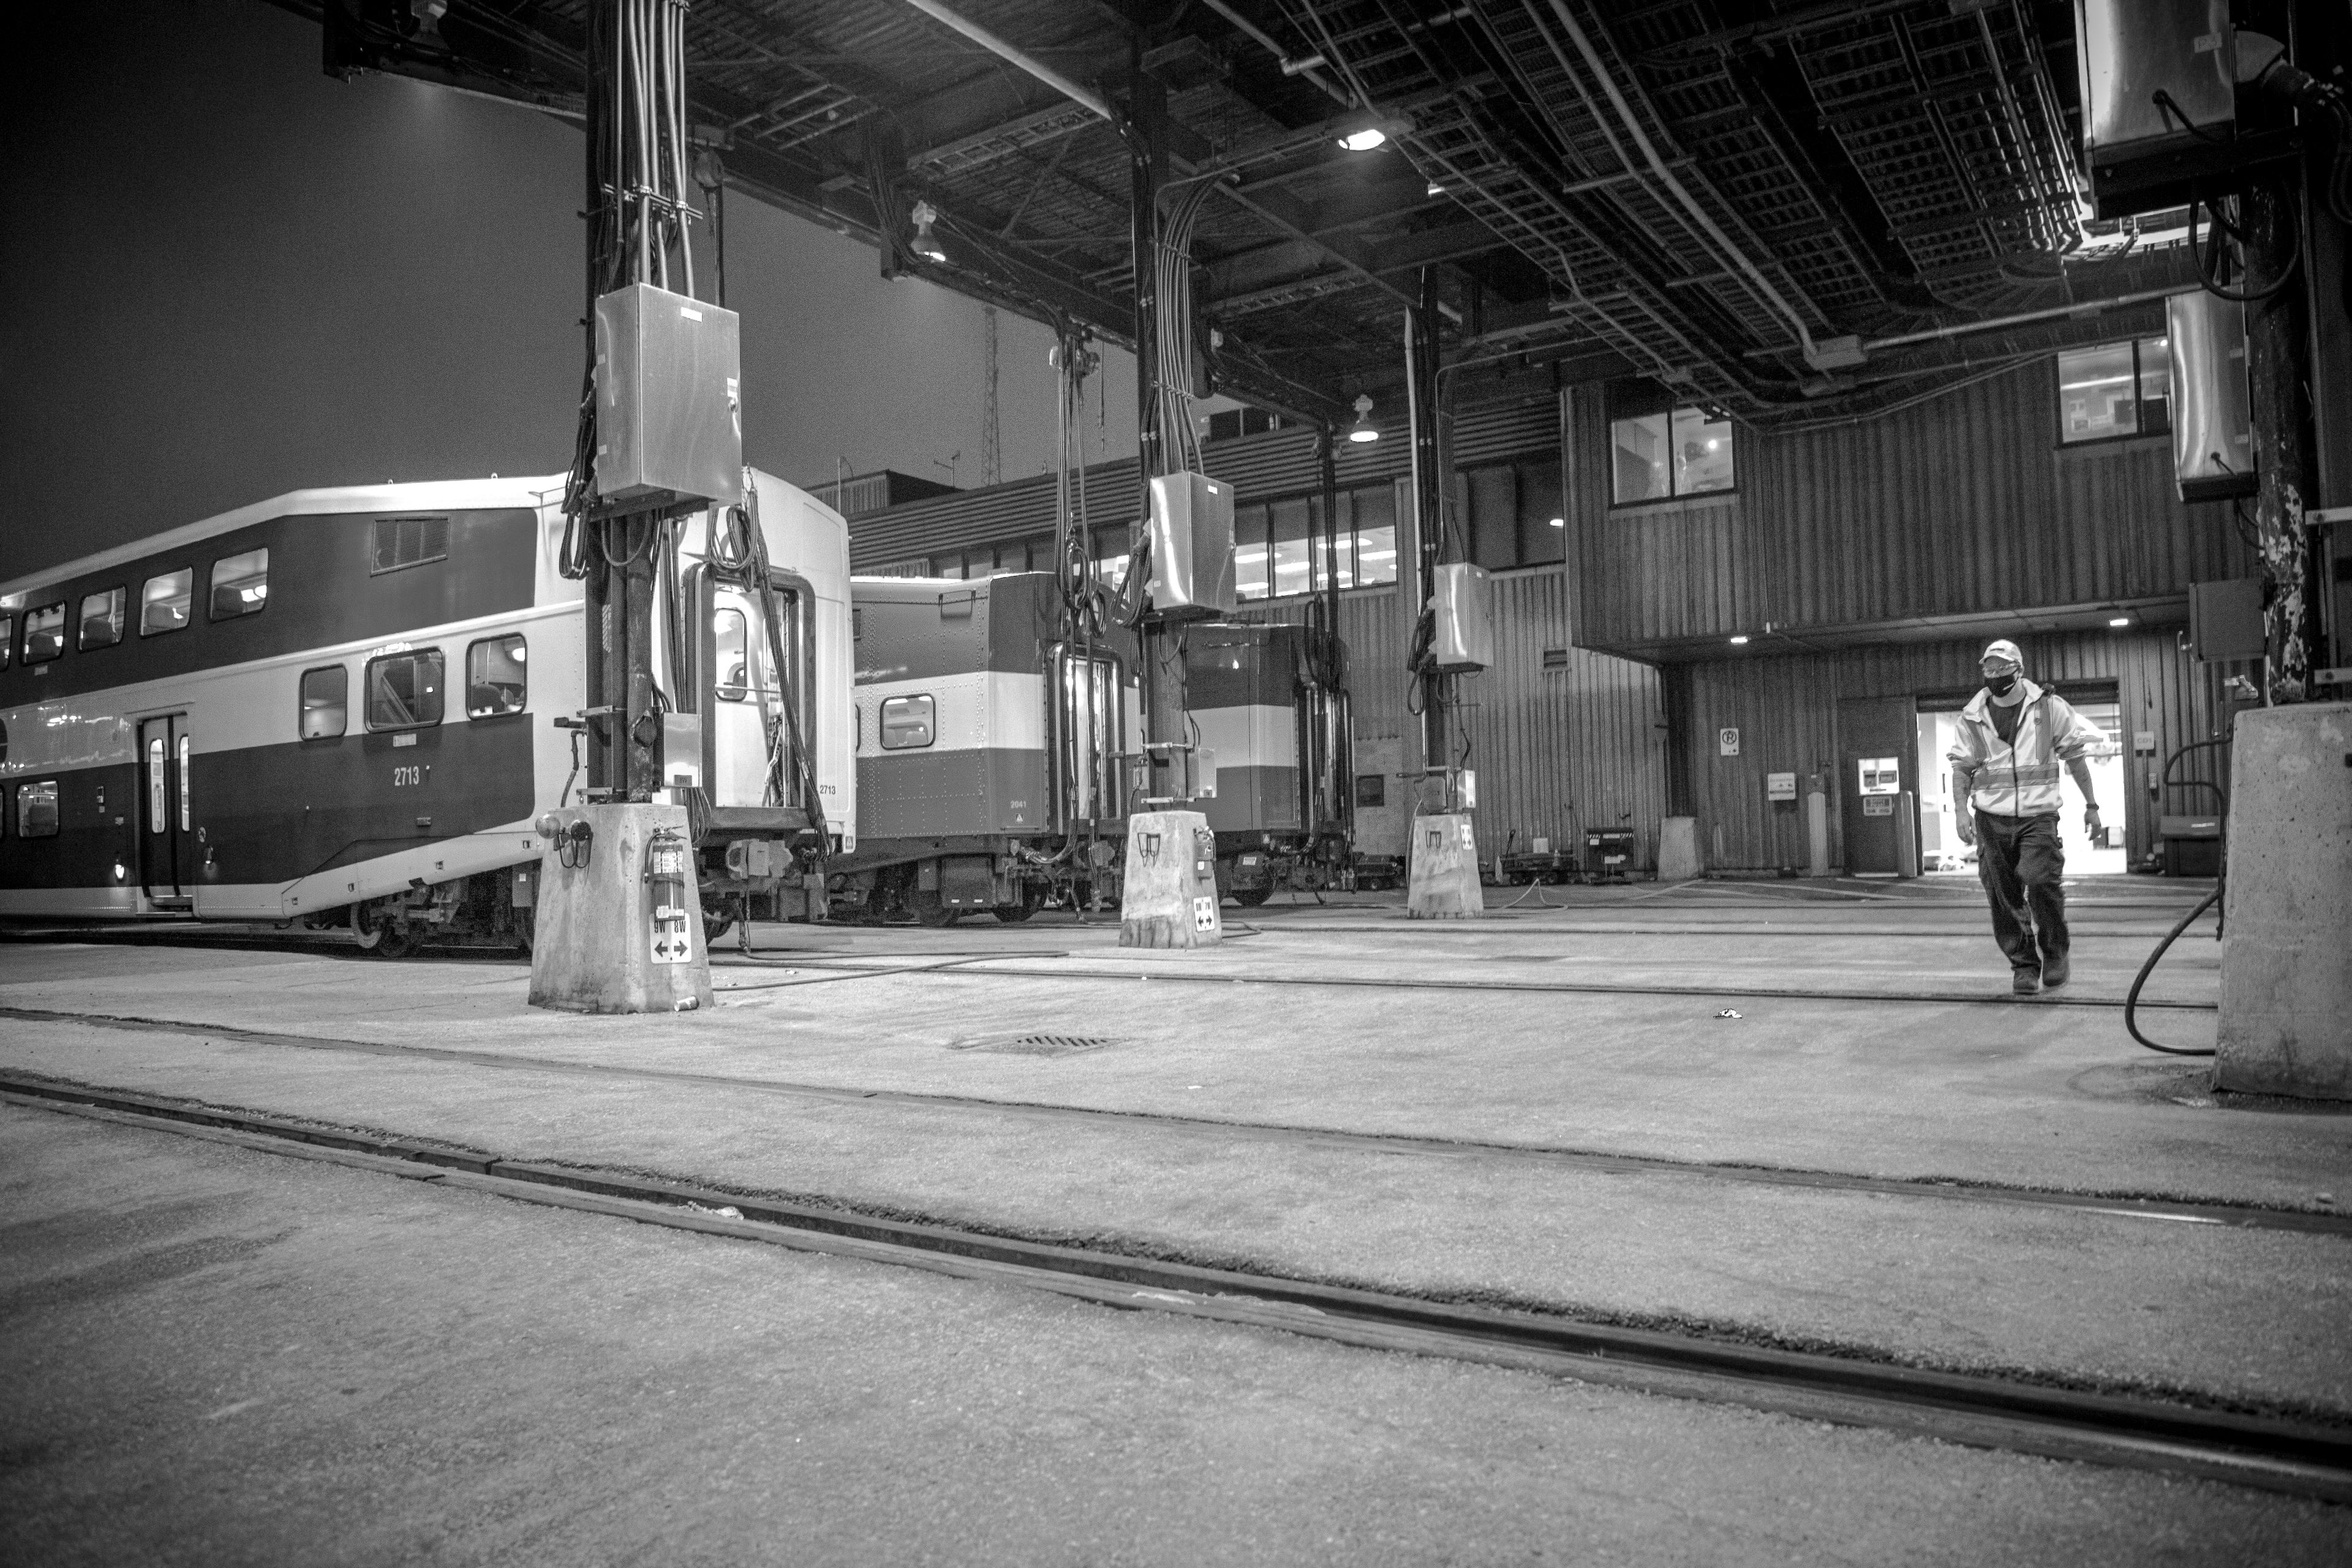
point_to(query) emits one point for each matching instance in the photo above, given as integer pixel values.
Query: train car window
(36, 809)
(326, 703)
(45, 633)
(403, 542)
(730, 632)
(7, 639)
(907, 723)
(495, 679)
(404, 691)
(101, 619)
(240, 584)
(164, 601)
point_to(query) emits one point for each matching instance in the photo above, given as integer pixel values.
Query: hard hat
(2001, 648)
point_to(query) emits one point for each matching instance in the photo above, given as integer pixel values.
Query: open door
(1878, 761)
(752, 769)
(167, 843)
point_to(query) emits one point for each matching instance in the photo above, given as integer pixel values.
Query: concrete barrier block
(593, 940)
(1168, 889)
(2286, 955)
(1678, 850)
(1444, 879)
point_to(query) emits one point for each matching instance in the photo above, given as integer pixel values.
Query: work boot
(2025, 982)
(2053, 973)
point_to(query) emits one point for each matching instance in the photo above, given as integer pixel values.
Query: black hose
(2131, 997)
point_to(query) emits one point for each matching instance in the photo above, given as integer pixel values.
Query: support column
(2277, 370)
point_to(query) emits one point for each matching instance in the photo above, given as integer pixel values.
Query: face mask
(1999, 685)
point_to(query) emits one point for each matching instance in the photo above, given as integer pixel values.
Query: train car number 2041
(411, 774)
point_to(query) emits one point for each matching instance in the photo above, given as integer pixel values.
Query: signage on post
(1779, 787)
(1727, 741)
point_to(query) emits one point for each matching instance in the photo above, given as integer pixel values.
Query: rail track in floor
(2299, 1458)
(2118, 1205)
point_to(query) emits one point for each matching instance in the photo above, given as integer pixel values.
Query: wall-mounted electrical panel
(2212, 423)
(2225, 620)
(669, 418)
(1460, 595)
(2159, 104)
(1192, 547)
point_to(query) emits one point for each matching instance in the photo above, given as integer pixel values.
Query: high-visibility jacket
(2020, 777)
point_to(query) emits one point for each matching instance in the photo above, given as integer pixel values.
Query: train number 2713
(411, 774)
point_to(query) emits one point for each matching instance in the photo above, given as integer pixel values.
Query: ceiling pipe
(1092, 102)
(1994, 324)
(1266, 41)
(1738, 257)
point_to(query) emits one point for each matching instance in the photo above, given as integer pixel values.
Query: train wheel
(1250, 898)
(931, 909)
(714, 927)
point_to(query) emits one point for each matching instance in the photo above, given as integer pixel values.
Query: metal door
(167, 841)
(1877, 744)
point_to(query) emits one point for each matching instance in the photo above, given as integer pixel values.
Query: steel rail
(2297, 1457)
(2114, 1204)
(970, 967)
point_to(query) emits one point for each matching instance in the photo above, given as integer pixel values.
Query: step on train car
(338, 708)
(1269, 701)
(990, 772)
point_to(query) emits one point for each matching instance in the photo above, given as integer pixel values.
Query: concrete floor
(861, 1071)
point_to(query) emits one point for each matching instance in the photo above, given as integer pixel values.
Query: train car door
(748, 694)
(166, 832)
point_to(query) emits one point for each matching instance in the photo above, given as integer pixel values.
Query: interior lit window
(1659, 448)
(164, 601)
(326, 701)
(497, 680)
(101, 619)
(240, 584)
(45, 633)
(2115, 390)
(404, 691)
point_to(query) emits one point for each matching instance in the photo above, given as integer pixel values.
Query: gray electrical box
(2225, 620)
(1192, 535)
(669, 418)
(2212, 441)
(1464, 640)
(2141, 152)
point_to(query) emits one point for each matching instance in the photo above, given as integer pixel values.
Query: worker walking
(2005, 758)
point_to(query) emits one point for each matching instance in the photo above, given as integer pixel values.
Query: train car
(340, 709)
(990, 752)
(1269, 701)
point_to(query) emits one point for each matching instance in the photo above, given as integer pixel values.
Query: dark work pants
(2022, 861)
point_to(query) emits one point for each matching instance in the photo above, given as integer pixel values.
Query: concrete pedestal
(593, 943)
(1443, 883)
(1168, 889)
(2287, 956)
(1678, 850)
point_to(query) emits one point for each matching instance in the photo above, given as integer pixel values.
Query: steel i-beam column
(2277, 373)
(1429, 493)
(1144, 127)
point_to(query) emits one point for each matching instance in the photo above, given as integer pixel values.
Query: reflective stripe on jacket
(2020, 778)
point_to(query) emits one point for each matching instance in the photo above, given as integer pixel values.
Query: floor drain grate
(1033, 1044)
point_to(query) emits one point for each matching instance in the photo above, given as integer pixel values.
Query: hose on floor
(2131, 997)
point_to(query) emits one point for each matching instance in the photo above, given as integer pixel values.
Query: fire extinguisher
(664, 878)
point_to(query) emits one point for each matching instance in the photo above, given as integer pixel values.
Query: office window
(497, 681)
(1659, 450)
(326, 703)
(36, 809)
(2115, 390)
(240, 584)
(101, 619)
(403, 541)
(907, 723)
(164, 601)
(45, 633)
(404, 691)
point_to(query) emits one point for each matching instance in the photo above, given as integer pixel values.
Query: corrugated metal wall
(1964, 505)
(1785, 708)
(1558, 748)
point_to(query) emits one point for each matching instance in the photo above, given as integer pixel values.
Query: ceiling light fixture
(1560, 523)
(2119, 621)
(1739, 641)
(1363, 430)
(927, 244)
(1435, 189)
(1364, 141)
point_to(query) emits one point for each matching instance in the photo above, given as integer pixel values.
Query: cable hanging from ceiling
(1174, 389)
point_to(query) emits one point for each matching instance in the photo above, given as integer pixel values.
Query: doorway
(166, 838)
(1941, 850)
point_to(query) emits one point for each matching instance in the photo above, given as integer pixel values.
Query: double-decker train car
(338, 708)
(990, 752)
(1269, 701)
